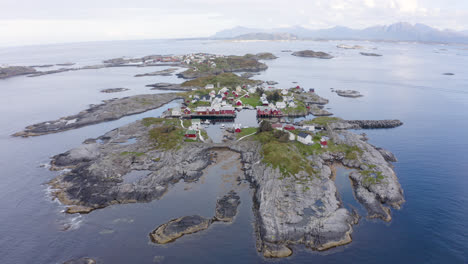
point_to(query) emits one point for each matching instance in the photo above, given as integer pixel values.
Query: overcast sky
(25, 22)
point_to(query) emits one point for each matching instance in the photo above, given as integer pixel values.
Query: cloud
(48, 21)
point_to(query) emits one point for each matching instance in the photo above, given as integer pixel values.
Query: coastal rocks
(271, 83)
(370, 54)
(114, 90)
(7, 72)
(41, 73)
(226, 210)
(178, 227)
(317, 111)
(387, 155)
(311, 98)
(171, 87)
(370, 124)
(376, 183)
(226, 207)
(107, 111)
(99, 172)
(166, 72)
(348, 93)
(449, 74)
(275, 251)
(312, 54)
(81, 261)
(65, 64)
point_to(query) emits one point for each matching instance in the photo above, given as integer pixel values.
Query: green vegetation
(167, 136)
(136, 154)
(224, 79)
(204, 134)
(323, 120)
(371, 177)
(187, 123)
(253, 100)
(283, 155)
(246, 131)
(300, 109)
(151, 121)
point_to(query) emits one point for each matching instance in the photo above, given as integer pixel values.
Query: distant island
(401, 31)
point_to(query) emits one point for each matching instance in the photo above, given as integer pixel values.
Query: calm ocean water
(406, 83)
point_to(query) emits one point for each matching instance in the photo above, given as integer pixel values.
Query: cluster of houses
(201, 58)
(302, 137)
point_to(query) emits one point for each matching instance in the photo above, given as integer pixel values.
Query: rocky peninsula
(312, 54)
(7, 72)
(166, 72)
(109, 110)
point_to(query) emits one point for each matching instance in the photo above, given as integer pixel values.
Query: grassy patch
(253, 100)
(246, 131)
(371, 177)
(136, 154)
(152, 120)
(167, 136)
(224, 79)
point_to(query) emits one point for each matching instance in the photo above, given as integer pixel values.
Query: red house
(190, 134)
(324, 143)
(238, 130)
(239, 103)
(289, 127)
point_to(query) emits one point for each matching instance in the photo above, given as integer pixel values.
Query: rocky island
(348, 93)
(370, 54)
(312, 54)
(290, 165)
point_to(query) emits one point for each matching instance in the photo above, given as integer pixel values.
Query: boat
(222, 125)
(207, 121)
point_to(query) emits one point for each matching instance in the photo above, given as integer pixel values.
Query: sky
(29, 22)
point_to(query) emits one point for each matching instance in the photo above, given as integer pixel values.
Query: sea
(406, 83)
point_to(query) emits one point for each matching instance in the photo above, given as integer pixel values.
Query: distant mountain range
(396, 32)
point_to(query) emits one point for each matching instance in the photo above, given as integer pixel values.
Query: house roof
(303, 135)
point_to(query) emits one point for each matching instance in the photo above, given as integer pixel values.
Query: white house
(176, 111)
(309, 128)
(196, 124)
(280, 105)
(284, 92)
(292, 104)
(238, 89)
(223, 90)
(252, 90)
(304, 138)
(209, 86)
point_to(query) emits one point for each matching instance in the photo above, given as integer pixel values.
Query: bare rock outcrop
(176, 228)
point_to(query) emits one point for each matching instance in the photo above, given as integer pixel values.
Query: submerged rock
(226, 207)
(370, 54)
(176, 228)
(312, 54)
(81, 261)
(114, 90)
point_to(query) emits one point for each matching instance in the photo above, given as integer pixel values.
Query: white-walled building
(304, 138)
